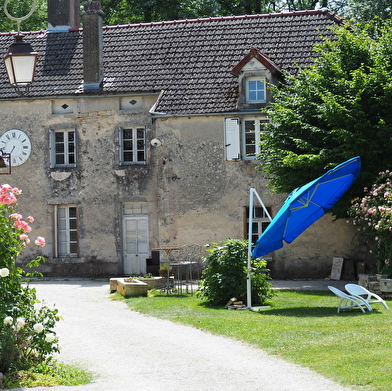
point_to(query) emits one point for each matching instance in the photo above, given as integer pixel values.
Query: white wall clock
(18, 144)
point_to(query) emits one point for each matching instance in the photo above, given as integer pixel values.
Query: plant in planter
(164, 270)
(372, 215)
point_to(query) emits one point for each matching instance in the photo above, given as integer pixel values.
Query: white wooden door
(135, 245)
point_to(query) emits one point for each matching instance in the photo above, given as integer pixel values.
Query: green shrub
(225, 275)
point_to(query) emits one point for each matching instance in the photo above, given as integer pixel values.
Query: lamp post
(20, 60)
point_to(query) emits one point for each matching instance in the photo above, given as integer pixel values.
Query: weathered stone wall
(194, 195)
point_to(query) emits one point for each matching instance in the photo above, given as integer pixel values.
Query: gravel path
(128, 350)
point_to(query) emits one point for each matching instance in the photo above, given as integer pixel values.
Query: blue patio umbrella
(305, 205)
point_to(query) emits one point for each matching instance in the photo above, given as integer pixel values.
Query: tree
(37, 21)
(363, 11)
(339, 108)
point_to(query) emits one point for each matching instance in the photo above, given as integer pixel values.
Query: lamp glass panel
(10, 72)
(24, 69)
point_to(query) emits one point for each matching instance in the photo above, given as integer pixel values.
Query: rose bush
(372, 215)
(27, 336)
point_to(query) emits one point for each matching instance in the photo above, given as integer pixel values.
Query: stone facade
(183, 181)
(190, 192)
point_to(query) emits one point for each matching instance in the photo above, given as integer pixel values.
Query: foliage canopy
(135, 11)
(337, 109)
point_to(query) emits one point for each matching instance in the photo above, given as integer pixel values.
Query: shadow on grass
(313, 312)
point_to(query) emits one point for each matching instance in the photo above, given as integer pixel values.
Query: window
(67, 231)
(133, 145)
(260, 221)
(63, 148)
(252, 130)
(242, 137)
(255, 90)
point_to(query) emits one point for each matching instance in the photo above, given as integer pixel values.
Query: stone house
(144, 136)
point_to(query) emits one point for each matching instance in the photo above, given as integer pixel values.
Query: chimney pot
(63, 15)
(92, 46)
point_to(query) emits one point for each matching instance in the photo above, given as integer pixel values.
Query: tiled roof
(189, 60)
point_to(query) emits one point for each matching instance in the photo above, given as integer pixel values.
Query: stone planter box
(156, 282)
(386, 285)
(128, 289)
(139, 286)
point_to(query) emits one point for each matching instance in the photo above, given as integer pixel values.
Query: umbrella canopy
(307, 204)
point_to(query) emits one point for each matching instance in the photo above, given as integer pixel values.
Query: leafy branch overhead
(337, 109)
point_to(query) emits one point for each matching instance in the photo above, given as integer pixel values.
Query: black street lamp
(20, 60)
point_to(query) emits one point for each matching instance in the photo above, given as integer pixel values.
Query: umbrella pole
(250, 230)
(250, 234)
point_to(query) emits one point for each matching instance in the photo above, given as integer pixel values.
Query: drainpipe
(63, 15)
(92, 46)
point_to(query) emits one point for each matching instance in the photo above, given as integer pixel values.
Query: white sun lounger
(348, 302)
(371, 298)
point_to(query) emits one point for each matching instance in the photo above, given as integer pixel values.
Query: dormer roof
(261, 58)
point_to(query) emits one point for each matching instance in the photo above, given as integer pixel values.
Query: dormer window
(255, 72)
(255, 90)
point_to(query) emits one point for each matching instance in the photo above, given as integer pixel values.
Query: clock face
(18, 144)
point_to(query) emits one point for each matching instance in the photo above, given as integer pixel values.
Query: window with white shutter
(232, 139)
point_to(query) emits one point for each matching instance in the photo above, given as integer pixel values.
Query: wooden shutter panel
(232, 139)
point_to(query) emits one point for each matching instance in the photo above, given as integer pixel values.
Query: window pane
(72, 224)
(140, 156)
(59, 137)
(62, 224)
(63, 249)
(60, 159)
(127, 145)
(127, 134)
(59, 148)
(140, 133)
(128, 156)
(250, 150)
(72, 211)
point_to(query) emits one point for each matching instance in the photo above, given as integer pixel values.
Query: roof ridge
(331, 14)
(23, 32)
(230, 17)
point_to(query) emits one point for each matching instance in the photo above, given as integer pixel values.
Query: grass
(352, 348)
(60, 375)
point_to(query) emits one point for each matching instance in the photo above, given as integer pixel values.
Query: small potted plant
(164, 270)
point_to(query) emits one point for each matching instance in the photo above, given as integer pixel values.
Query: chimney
(92, 46)
(63, 15)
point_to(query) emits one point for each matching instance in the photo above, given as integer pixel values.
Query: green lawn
(352, 348)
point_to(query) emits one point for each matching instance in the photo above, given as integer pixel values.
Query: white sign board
(337, 266)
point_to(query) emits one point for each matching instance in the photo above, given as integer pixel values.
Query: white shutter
(232, 139)
(52, 149)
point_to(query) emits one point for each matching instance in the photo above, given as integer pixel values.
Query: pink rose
(16, 216)
(7, 198)
(30, 219)
(22, 225)
(40, 241)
